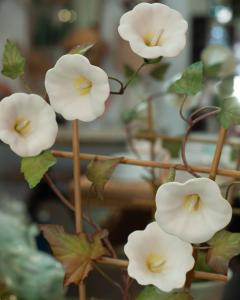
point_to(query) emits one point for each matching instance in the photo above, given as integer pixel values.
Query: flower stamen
(153, 39)
(155, 263)
(192, 202)
(22, 126)
(83, 85)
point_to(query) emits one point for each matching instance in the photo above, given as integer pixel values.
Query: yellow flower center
(22, 126)
(155, 262)
(153, 39)
(82, 85)
(192, 202)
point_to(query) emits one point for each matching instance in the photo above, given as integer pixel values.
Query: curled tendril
(197, 116)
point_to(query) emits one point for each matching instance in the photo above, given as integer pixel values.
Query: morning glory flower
(193, 211)
(158, 258)
(77, 89)
(27, 124)
(154, 30)
(215, 55)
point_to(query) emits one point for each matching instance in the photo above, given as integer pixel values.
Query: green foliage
(129, 72)
(212, 71)
(80, 49)
(129, 116)
(191, 81)
(76, 252)
(171, 175)
(230, 112)
(153, 293)
(152, 61)
(35, 167)
(173, 147)
(160, 71)
(201, 264)
(99, 172)
(224, 246)
(13, 62)
(225, 87)
(235, 152)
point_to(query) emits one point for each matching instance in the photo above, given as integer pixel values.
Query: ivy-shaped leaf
(225, 87)
(76, 252)
(224, 246)
(173, 147)
(35, 167)
(100, 171)
(160, 71)
(81, 49)
(153, 293)
(191, 81)
(13, 62)
(230, 112)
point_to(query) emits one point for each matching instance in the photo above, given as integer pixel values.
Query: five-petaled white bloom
(194, 211)
(154, 30)
(158, 258)
(77, 89)
(27, 124)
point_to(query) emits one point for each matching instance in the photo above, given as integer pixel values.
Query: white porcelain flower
(158, 258)
(27, 124)
(154, 30)
(219, 54)
(194, 211)
(77, 89)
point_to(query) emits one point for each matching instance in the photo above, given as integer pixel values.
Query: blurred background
(46, 29)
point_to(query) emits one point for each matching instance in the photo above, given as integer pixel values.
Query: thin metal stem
(121, 90)
(131, 78)
(58, 193)
(181, 109)
(124, 86)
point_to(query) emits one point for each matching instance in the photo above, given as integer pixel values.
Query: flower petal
(42, 130)
(176, 254)
(157, 24)
(192, 225)
(66, 94)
